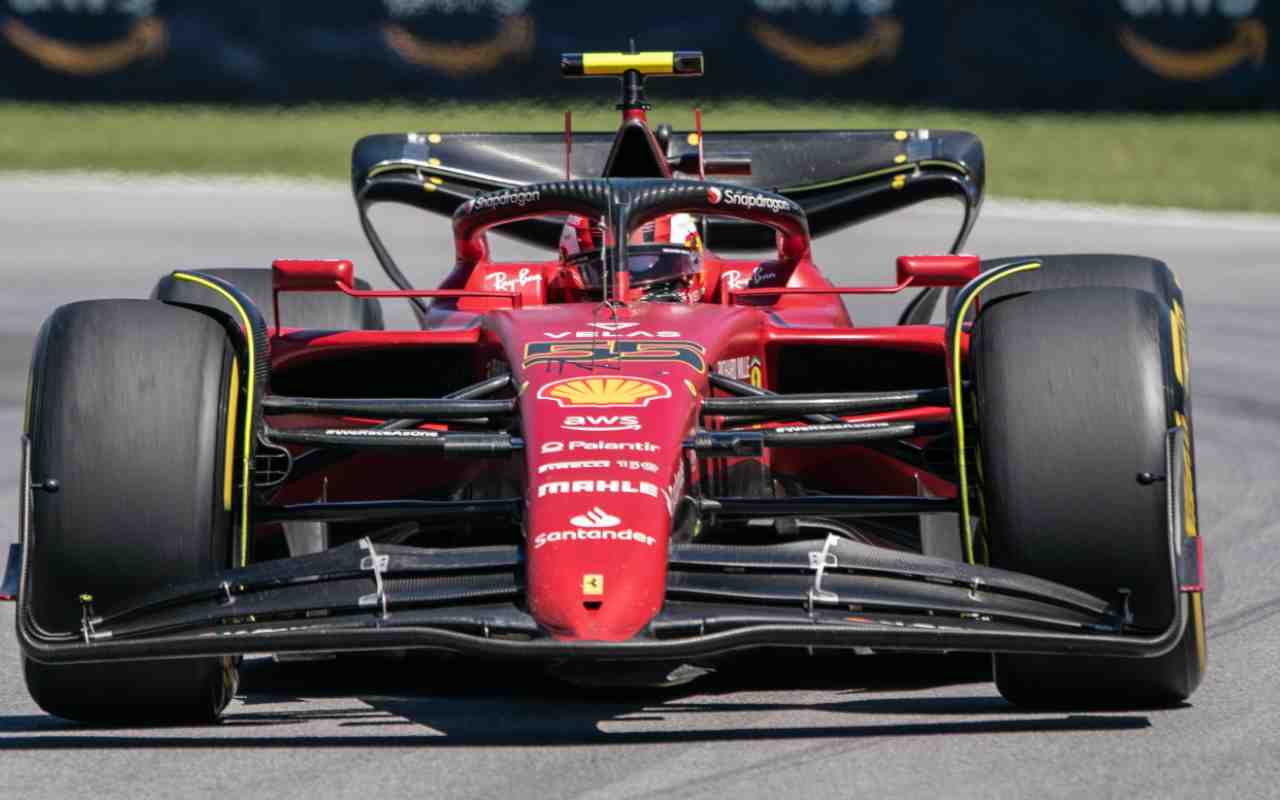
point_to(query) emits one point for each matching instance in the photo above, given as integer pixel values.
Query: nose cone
(605, 405)
(605, 470)
(599, 573)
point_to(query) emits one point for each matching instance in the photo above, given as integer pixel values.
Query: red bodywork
(607, 397)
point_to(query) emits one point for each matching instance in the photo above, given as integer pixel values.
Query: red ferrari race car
(633, 456)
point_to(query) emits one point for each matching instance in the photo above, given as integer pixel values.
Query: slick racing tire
(1075, 390)
(314, 310)
(132, 411)
(1078, 271)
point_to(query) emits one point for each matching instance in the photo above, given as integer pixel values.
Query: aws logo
(604, 392)
(880, 41)
(147, 38)
(514, 36)
(1245, 40)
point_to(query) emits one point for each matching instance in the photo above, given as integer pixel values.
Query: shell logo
(604, 392)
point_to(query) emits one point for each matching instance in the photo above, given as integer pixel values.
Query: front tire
(312, 310)
(1075, 390)
(131, 412)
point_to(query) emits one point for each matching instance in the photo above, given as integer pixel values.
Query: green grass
(1197, 161)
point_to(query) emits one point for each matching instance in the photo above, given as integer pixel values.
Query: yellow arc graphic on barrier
(514, 37)
(880, 41)
(604, 392)
(148, 38)
(1248, 44)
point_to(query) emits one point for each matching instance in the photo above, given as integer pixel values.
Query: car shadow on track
(451, 703)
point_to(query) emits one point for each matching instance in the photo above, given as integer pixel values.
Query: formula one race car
(632, 458)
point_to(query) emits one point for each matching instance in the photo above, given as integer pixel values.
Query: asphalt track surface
(779, 726)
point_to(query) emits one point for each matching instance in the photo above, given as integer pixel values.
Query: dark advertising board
(1081, 54)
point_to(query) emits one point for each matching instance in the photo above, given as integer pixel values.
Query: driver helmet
(664, 257)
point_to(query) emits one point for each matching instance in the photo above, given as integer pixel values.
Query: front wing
(832, 593)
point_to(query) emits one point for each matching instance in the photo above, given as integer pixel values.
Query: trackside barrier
(1091, 54)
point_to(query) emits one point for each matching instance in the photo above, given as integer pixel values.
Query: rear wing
(839, 178)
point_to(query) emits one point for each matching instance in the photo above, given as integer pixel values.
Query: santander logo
(595, 518)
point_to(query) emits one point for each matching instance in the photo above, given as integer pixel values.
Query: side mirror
(942, 270)
(311, 274)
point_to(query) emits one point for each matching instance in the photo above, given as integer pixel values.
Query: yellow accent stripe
(1178, 329)
(1190, 517)
(957, 402)
(935, 162)
(899, 168)
(26, 409)
(1197, 612)
(851, 179)
(231, 434)
(653, 63)
(248, 408)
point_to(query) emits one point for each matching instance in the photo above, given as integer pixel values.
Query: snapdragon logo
(752, 200)
(520, 198)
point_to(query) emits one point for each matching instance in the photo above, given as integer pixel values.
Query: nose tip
(592, 609)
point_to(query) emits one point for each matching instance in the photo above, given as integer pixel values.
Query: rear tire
(130, 411)
(1075, 390)
(314, 310)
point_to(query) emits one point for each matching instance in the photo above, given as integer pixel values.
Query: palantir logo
(595, 518)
